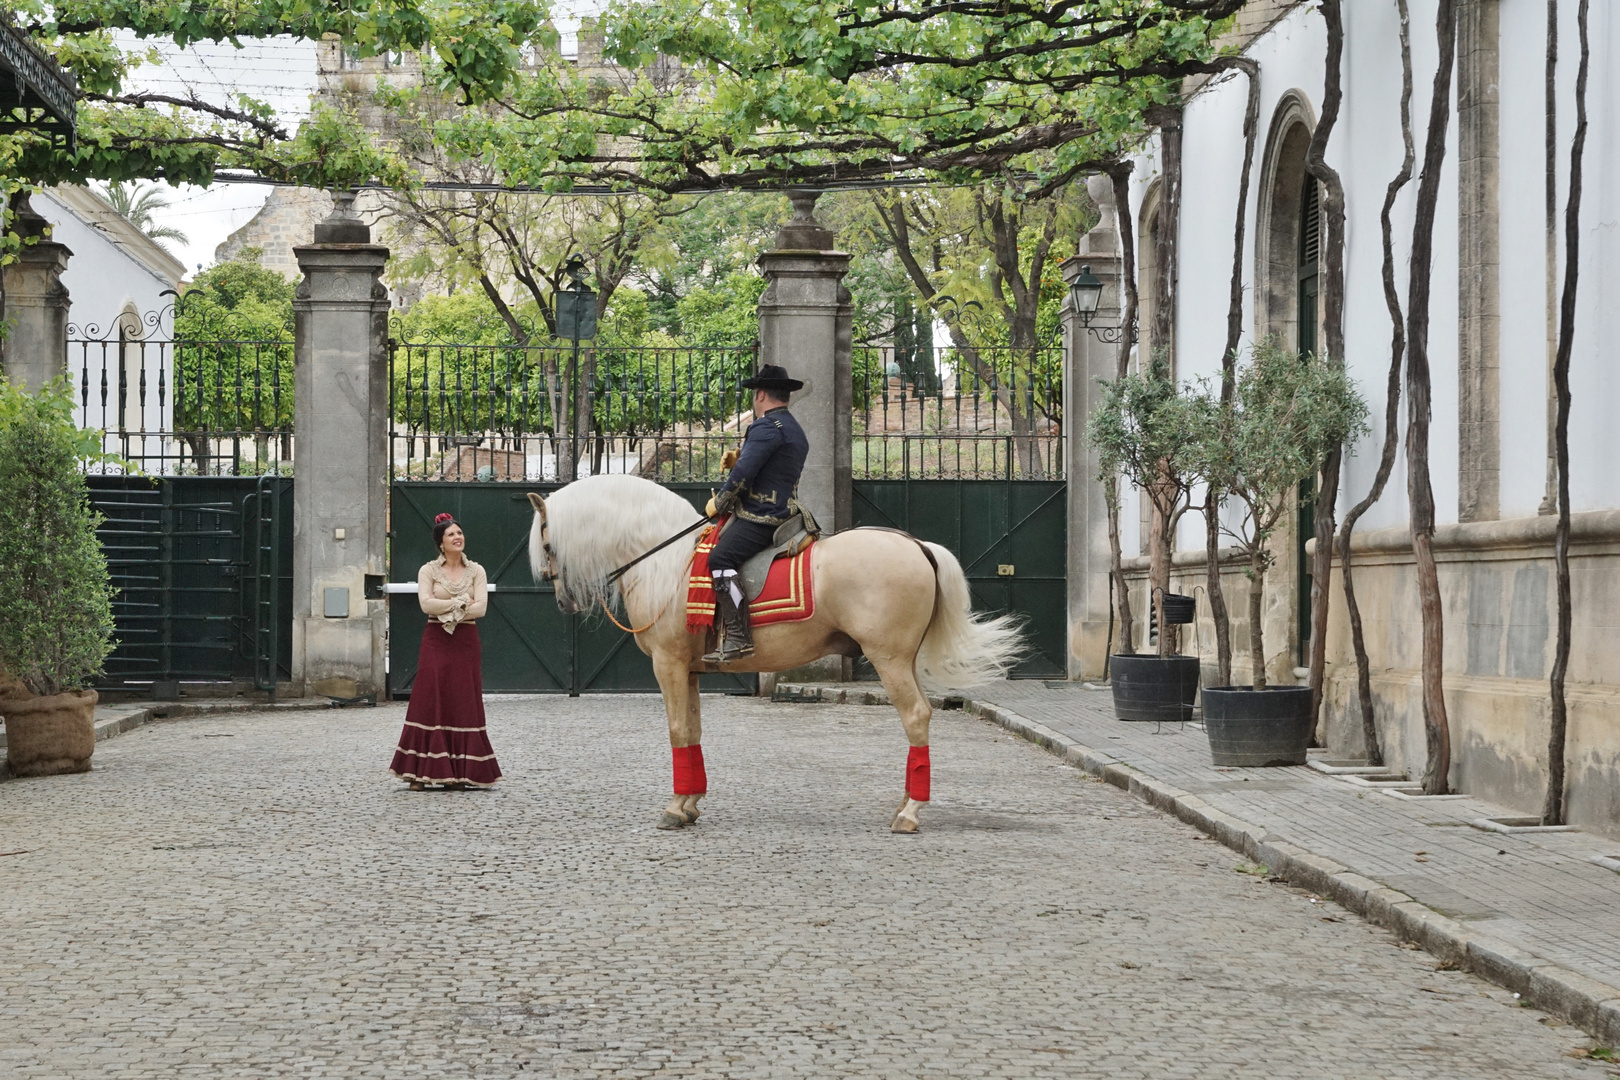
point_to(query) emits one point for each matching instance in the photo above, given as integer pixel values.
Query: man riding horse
(756, 495)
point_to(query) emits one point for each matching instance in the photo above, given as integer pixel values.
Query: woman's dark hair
(441, 525)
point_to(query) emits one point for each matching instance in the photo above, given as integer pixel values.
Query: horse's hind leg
(681, 705)
(900, 680)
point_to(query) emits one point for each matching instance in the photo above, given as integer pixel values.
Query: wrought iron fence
(556, 412)
(977, 412)
(179, 407)
(544, 413)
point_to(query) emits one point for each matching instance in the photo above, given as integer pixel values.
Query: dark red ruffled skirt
(444, 741)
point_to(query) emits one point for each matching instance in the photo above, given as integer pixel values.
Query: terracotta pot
(50, 735)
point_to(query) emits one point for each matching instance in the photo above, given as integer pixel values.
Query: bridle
(550, 572)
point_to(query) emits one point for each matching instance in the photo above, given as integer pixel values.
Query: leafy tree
(718, 238)
(136, 202)
(233, 357)
(724, 314)
(1288, 412)
(1146, 429)
(55, 593)
(815, 92)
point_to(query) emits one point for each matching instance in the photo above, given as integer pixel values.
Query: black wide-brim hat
(771, 377)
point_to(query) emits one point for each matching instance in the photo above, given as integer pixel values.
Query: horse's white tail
(961, 649)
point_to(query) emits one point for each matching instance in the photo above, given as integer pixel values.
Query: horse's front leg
(681, 705)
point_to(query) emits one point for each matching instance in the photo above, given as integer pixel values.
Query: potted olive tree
(1146, 429)
(1287, 413)
(55, 601)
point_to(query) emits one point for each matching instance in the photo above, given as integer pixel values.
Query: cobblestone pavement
(253, 896)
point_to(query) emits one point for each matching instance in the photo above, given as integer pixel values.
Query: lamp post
(576, 320)
(1085, 294)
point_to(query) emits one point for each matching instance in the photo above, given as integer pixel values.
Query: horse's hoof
(671, 821)
(904, 825)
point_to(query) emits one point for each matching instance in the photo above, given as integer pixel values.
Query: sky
(280, 71)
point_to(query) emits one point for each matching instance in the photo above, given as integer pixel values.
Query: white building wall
(105, 279)
(1495, 575)
(1366, 149)
(1594, 382)
(1525, 330)
(101, 278)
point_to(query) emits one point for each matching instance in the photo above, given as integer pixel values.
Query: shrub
(55, 601)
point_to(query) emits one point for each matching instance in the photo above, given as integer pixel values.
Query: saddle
(791, 537)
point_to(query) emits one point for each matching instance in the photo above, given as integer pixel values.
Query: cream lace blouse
(452, 602)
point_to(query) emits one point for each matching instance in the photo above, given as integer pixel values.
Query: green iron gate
(201, 569)
(529, 645)
(1009, 535)
(974, 461)
(199, 548)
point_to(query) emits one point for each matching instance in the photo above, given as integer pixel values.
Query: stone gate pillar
(1090, 355)
(805, 325)
(340, 425)
(36, 305)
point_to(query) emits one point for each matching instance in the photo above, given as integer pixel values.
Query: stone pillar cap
(341, 225)
(803, 232)
(26, 221)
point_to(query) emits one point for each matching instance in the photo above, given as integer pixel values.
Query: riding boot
(739, 638)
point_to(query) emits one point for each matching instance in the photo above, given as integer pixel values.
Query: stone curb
(121, 718)
(1588, 1004)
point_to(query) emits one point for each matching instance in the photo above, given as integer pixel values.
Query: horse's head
(543, 557)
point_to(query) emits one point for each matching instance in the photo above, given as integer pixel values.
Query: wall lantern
(576, 304)
(1085, 295)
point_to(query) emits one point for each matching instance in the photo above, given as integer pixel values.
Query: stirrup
(726, 653)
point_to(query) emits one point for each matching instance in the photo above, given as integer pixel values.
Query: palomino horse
(902, 602)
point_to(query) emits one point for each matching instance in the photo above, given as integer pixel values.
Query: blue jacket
(767, 471)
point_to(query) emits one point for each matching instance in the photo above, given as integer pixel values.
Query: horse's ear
(539, 504)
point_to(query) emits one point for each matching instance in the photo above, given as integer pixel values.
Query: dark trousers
(740, 541)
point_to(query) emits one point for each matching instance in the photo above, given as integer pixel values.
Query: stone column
(805, 326)
(340, 424)
(1087, 359)
(36, 304)
(1479, 316)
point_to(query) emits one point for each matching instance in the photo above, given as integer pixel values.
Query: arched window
(1288, 241)
(1309, 264)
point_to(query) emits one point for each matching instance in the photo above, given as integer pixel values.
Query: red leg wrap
(690, 778)
(919, 774)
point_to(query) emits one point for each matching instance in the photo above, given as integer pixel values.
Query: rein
(609, 613)
(654, 622)
(617, 574)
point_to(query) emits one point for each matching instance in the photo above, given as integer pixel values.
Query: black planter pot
(1160, 688)
(1179, 610)
(1249, 727)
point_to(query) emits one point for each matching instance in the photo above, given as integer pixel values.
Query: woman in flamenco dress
(444, 743)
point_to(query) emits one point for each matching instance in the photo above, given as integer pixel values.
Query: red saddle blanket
(786, 597)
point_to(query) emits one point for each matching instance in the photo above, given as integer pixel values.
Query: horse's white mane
(599, 523)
